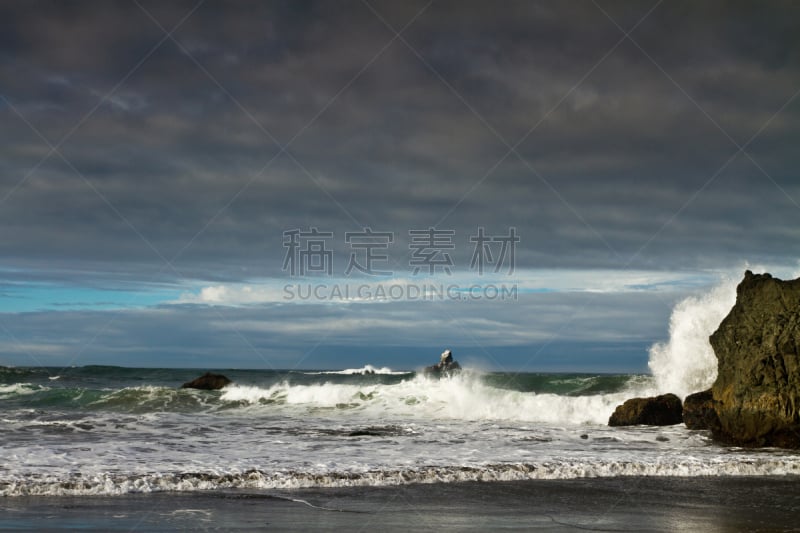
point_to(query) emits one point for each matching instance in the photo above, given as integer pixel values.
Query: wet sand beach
(709, 504)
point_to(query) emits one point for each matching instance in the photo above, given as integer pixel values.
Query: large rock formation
(664, 410)
(207, 381)
(698, 411)
(757, 391)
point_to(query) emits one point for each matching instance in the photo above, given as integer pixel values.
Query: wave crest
(462, 397)
(364, 370)
(686, 362)
(109, 484)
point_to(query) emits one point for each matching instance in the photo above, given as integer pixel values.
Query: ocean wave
(20, 389)
(111, 484)
(364, 370)
(686, 362)
(141, 399)
(466, 397)
(151, 398)
(15, 373)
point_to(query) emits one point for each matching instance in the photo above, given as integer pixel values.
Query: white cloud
(458, 286)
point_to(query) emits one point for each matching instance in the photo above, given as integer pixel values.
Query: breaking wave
(365, 370)
(686, 362)
(110, 484)
(466, 396)
(551, 398)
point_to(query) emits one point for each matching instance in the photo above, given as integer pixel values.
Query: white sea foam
(461, 397)
(110, 484)
(686, 362)
(366, 369)
(16, 389)
(334, 435)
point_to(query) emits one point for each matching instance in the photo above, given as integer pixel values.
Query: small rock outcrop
(207, 381)
(664, 410)
(698, 411)
(757, 391)
(446, 366)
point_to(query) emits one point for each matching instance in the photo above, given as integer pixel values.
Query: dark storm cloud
(396, 133)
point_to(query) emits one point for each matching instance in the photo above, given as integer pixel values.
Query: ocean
(110, 431)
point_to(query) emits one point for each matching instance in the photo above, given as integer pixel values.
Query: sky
(534, 185)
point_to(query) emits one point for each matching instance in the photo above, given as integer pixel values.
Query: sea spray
(466, 396)
(686, 362)
(366, 369)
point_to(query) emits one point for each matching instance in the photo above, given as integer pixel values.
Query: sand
(707, 504)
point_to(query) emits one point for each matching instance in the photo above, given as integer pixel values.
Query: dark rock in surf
(376, 431)
(664, 410)
(207, 381)
(698, 411)
(439, 370)
(446, 366)
(757, 391)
